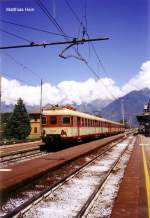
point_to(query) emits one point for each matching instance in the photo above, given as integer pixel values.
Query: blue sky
(125, 56)
(125, 22)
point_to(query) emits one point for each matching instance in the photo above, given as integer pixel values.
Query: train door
(78, 127)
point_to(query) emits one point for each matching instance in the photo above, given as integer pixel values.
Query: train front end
(57, 126)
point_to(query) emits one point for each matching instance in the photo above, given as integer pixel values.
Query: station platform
(23, 173)
(133, 198)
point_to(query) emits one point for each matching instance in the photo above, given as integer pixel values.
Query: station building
(144, 120)
(35, 124)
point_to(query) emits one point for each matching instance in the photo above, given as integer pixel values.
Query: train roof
(70, 112)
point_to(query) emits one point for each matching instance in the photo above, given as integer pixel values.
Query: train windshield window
(43, 120)
(66, 120)
(53, 119)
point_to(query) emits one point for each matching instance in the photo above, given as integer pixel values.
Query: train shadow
(55, 147)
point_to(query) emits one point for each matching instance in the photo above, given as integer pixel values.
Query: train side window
(43, 120)
(91, 122)
(82, 121)
(85, 122)
(53, 119)
(66, 120)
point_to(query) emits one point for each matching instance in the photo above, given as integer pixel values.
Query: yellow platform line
(147, 178)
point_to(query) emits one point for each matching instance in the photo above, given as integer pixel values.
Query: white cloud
(73, 91)
(140, 81)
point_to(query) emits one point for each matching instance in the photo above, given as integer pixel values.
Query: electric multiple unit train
(64, 124)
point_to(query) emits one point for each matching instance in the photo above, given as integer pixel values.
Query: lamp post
(122, 110)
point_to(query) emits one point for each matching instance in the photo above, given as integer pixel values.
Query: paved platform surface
(24, 172)
(133, 200)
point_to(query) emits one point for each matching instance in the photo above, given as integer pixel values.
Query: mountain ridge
(133, 104)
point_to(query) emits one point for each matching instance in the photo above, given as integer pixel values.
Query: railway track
(28, 203)
(20, 157)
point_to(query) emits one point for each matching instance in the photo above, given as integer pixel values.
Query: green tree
(5, 118)
(18, 125)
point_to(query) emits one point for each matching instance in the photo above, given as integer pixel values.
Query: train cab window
(66, 120)
(53, 120)
(43, 120)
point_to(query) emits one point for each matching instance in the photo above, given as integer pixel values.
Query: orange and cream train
(62, 124)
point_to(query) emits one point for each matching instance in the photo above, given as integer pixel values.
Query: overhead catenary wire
(74, 13)
(15, 35)
(41, 5)
(13, 77)
(85, 28)
(51, 18)
(93, 47)
(23, 66)
(34, 28)
(81, 23)
(60, 30)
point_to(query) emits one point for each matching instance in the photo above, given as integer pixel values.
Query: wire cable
(81, 23)
(60, 29)
(33, 28)
(22, 65)
(12, 34)
(46, 12)
(13, 77)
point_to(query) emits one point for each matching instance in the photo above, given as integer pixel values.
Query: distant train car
(63, 124)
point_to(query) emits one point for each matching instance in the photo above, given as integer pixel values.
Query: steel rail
(6, 160)
(91, 198)
(22, 209)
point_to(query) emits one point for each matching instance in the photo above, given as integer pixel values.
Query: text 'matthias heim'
(20, 9)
